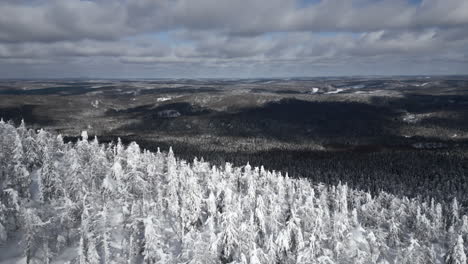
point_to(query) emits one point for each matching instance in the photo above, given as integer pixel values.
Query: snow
(119, 204)
(95, 103)
(67, 255)
(314, 90)
(12, 253)
(356, 241)
(421, 84)
(336, 91)
(412, 118)
(84, 135)
(163, 99)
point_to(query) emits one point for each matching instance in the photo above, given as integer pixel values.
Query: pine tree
(32, 233)
(228, 238)
(47, 253)
(457, 254)
(21, 179)
(106, 235)
(156, 209)
(154, 245)
(3, 228)
(82, 252)
(92, 252)
(455, 212)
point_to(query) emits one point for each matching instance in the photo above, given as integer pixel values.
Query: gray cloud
(58, 20)
(218, 37)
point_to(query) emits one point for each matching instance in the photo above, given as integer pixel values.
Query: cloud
(58, 20)
(220, 36)
(55, 20)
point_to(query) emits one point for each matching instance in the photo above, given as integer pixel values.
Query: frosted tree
(457, 254)
(84, 230)
(50, 181)
(438, 221)
(256, 254)
(260, 222)
(3, 228)
(92, 251)
(121, 205)
(7, 147)
(211, 206)
(197, 249)
(423, 226)
(12, 208)
(21, 179)
(293, 225)
(283, 242)
(154, 251)
(82, 252)
(464, 227)
(106, 235)
(42, 140)
(412, 254)
(134, 176)
(394, 233)
(228, 238)
(31, 150)
(98, 166)
(172, 188)
(109, 185)
(308, 254)
(135, 229)
(374, 247)
(32, 233)
(46, 252)
(455, 211)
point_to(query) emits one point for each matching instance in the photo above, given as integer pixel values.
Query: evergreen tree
(457, 254)
(154, 245)
(122, 205)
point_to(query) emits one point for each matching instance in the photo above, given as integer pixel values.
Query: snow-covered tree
(113, 203)
(457, 254)
(154, 251)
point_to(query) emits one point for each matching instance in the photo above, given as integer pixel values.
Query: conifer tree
(457, 254)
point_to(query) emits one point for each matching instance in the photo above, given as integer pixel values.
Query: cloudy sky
(231, 38)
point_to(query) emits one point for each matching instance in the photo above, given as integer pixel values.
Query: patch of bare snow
(95, 103)
(421, 84)
(336, 91)
(414, 118)
(163, 99)
(410, 118)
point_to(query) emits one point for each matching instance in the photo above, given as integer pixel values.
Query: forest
(89, 202)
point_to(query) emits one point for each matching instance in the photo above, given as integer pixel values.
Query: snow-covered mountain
(94, 203)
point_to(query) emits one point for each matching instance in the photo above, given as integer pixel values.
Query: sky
(231, 38)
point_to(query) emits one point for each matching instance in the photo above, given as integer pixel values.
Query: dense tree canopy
(112, 203)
